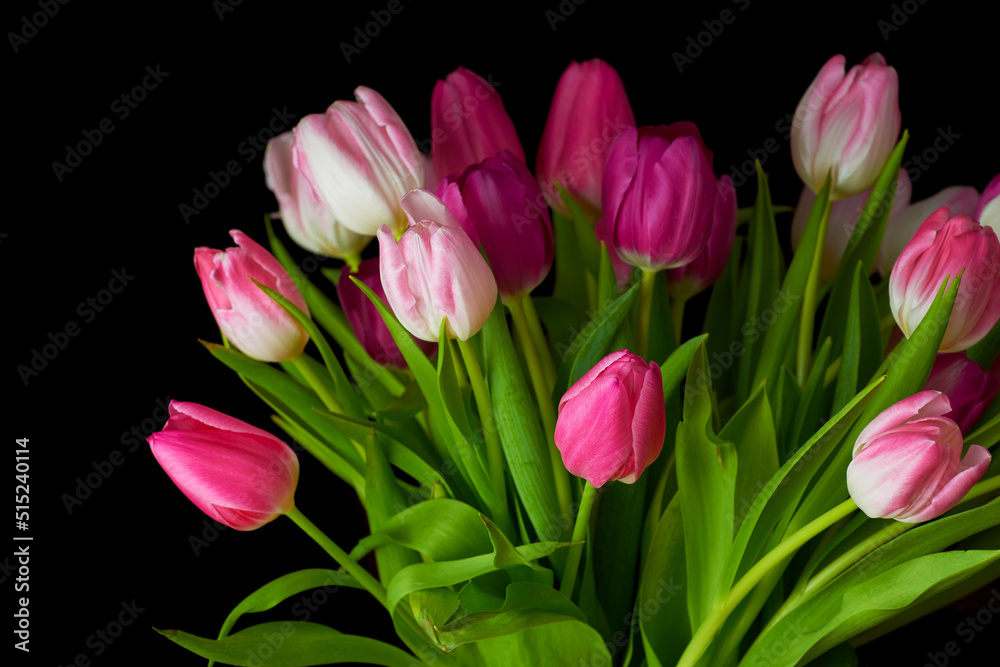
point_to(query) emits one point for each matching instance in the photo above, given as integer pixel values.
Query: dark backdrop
(124, 544)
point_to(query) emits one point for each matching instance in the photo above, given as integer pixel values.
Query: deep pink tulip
(847, 124)
(364, 318)
(434, 272)
(500, 206)
(686, 281)
(361, 160)
(589, 109)
(308, 220)
(969, 388)
(250, 319)
(988, 209)
(623, 270)
(659, 195)
(468, 124)
(239, 475)
(612, 420)
(908, 461)
(945, 246)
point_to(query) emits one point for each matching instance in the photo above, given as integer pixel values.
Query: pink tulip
(235, 473)
(969, 388)
(365, 320)
(659, 195)
(468, 124)
(434, 272)
(686, 281)
(908, 461)
(623, 270)
(589, 109)
(612, 420)
(945, 246)
(988, 210)
(499, 205)
(252, 321)
(361, 160)
(847, 125)
(308, 220)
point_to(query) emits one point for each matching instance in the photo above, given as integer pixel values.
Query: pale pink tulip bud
(908, 461)
(239, 475)
(969, 388)
(846, 125)
(434, 272)
(612, 421)
(589, 109)
(252, 321)
(686, 281)
(988, 210)
(946, 246)
(361, 160)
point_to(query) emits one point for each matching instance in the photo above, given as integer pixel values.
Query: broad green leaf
(441, 529)
(986, 435)
(811, 406)
(583, 228)
(323, 453)
(614, 547)
(862, 350)
(571, 280)
(607, 282)
(786, 400)
(568, 643)
(751, 430)
(724, 316)
(383, 500)
(985, 351)
(661, 606)
(507, 557)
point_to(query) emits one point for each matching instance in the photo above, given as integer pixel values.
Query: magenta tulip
(686, 281)
(988, 209)
(969, 388)
(252, 321)
(612, 421)
(659, 195)
(847, 125)
(468, 124)
(500, 206)
(908, 461)
(946, 246)
(434, 272)
(589, 109)
(239, 475)
(361, 160)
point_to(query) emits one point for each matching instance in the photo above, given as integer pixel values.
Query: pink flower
(846, 124)
(250, 319)
(612, 421)
(686, 281)
(945, 246)
(237, 474)
(969, 388)
(988, 210)
(434, 271)
(589, 109)
(907, 462)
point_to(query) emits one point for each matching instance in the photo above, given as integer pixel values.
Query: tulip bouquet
(584, 482)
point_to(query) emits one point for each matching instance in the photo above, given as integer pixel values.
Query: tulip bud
(434, 272)
(612, 421)
(361, 159)
(499, 205)
(908, 462)
(365, 320)
(846, 125)
(945, 246)
(988, 210)
(589, 109)
(468, 124)
(239, 475)
(308, 220)
(686, 281)
(250, 319)
(659, 195)
(969, 388)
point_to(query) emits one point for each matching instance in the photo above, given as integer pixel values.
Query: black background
(227, 72)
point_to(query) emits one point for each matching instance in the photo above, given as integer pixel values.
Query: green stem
(645, 311)
(677, 311)
(702, 639)
(321, 390)
(804, 355)
(351, 566)
(579, 534)
(541, 343)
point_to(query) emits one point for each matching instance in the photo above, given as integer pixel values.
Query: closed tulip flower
(659, 195)
(434, 271)
(988, 210)
(361, 160)
(468, 124)
(499, 205)
(686, 281)
(847, 124)
(945, 246)
(612, 421)
(969, 388)
(908, 463)
(239, 475)
(589, 109)
(252, 321)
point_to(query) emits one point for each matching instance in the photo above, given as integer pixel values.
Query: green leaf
(811, 407)
(986, 435)
(862, 351)
(583, 229)
(607, 282)
(323, 452)
(567, 643)
(725, 314)
(661, 606)
(751, 430)
(571, 282)
(384, 499)
(614, 546)
(985, 351)
(441, 529)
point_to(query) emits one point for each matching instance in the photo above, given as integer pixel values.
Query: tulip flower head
(252, 321)
(969, 388)
(686, 281)
(988, 209)
(239, 475)
(612, 421)
(908, 461)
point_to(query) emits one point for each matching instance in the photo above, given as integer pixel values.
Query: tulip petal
(595, 448)
(971, 470)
